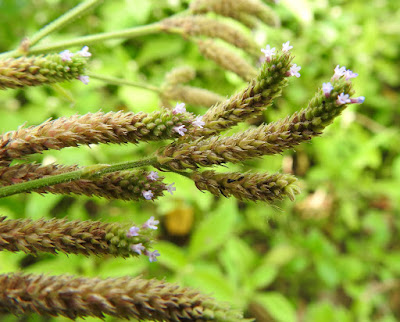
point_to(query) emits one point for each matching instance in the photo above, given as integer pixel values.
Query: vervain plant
(190, 143)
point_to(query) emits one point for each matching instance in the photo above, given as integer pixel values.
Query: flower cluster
(48, 69)
(139, 248)
(67, 55)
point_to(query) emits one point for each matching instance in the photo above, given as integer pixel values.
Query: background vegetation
(333, 255)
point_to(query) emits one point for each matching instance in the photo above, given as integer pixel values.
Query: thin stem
(63, 20)
(87, 40)
(119, 81)
(88, 172)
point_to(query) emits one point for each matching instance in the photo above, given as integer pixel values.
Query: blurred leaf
(208, 278)
(161, 47)
(279, 255)
(172, 256)
(214, 230)
(261, 277)
(280, 308)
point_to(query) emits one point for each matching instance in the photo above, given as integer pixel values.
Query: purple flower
(153, 255)
(339, 71)
(133, 231)
(84, 79)
(198, 122)
(138, 248)
(358, 100)
(268, 52)
(343, 99)
(327, 88)
(349, 74)
(286, 47)
(171, 188)
(151, 223)
(180, 129)
(84, 52)
(147, 194)
(294, 70)
(153, 176)
(179, 108)
(66, 55)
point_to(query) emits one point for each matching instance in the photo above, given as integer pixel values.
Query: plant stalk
(87, 172)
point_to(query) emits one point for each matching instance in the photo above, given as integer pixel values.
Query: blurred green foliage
(333, 255)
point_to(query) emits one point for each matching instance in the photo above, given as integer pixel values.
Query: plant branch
(88, 172)
(63, 20)
(91, 39)
(119, 81)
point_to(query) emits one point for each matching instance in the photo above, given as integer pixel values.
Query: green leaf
(278, 306)
(209, 279)
(262, 277)
(172, 256)
(214, 230)
(237, 259)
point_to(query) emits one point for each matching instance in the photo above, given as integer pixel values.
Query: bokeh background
(332, 255)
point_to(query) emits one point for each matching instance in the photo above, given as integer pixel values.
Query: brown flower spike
(70, 237)
(123, 297)
(123, 185)
(90, 128)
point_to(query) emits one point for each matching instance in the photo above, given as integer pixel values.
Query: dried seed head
(226, 59)
(247, 186)
(192, 95)
(70, 237)
(90, 129)
(266, 139)
(39, 70)
(180, 75)
(241, 10)
(125, 297)
(124, 185)
(199, 25)
(253, 100)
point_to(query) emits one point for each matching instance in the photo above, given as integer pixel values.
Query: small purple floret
(147, 194)
(153, 176)
(286, 47)
(327, 88)
(180, 129)
(343, 99)
(84, 52)
(153, 255)
(198, 122)
(268, 52)
(133, 231)
(66, 55)
(171, 188)
(151, 223)
(179, 108)
(294, 70)
(84, 79)
(138, 248)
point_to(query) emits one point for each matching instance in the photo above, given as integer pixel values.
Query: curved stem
(63, 20)
(88, 172)
(119, 81)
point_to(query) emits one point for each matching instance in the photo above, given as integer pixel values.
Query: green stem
(119, 81)
(88, 172)
(87, 40)
(63, 20)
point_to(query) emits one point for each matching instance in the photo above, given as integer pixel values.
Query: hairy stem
(87, 172)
